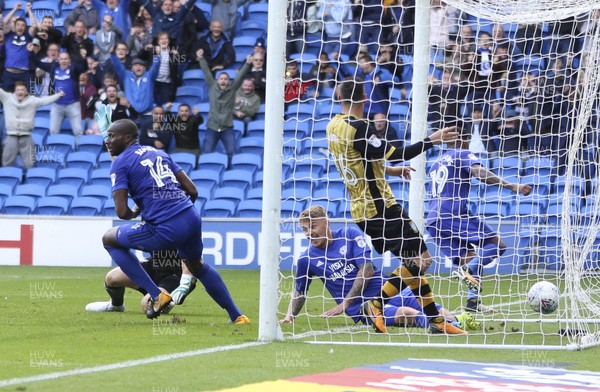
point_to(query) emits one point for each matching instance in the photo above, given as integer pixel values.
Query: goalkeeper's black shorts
(394, 231)
(164, 278)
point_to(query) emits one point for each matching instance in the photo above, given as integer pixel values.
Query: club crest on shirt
(374, 141)
(343, 250)
(360, 241)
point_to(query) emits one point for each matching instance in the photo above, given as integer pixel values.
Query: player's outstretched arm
(296, 305)
(365, 271)
(488, 177)
(399, 171)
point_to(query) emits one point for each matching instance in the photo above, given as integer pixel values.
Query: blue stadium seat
(256, 128)
(39, 138)
(44, 8)
(86, 206)
(199, 204)
(255, 193)
(247, 161)
(104, 161)
(541, 166)
(98, 191)
(493, 209)
(577, 185)
(250, 209)
(316, 167)
(244, 45)
(252, 145)
(193, 77)
(41, 125)
(258, 11)
(292, 208)
(192, 95)
(229, 193)
(551, 248)
(258, 179)
(186, 160)
(206, 8)
(100, 177)
(69, 192)
(303, 194)
(237, 179)
(19, 205)
(60, 143)
(509, 166)
(53, 205)
(254, 28)
(40, 175)
(302, 112)
(9, 5)
(90, 143)
(212, 161)
(5, 191)
(205, 180)
(333, 198)
(219, 208)
(81, 160)
(50, 159)
(73, 176)
(292, 147)
(529, 212)
(554, 213)
(11, 175)
(33, 190)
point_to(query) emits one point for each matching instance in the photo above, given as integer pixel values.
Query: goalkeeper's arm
(185, 285)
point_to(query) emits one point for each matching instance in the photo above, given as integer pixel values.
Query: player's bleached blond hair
(313, 212)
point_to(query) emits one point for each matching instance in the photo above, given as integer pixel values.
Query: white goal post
(552, 130)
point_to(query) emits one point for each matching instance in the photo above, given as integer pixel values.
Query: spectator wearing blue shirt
(119, 10)
(339, 34)
(138, 85)
(64, 76)
(16, 38)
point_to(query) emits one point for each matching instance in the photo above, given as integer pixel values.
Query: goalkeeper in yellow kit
(359, 157)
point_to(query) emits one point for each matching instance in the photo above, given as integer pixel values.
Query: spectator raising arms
(19, 111)
(17, 37)
(222, 100)
(64, 75)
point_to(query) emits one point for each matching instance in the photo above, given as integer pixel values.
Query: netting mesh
(523, 75)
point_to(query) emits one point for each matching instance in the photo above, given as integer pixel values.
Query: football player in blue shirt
(342, 260)
(457, 232)
(164, 196)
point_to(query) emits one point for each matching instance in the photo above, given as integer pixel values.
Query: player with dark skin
(122, 134)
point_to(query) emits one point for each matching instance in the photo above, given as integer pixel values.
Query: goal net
(522, 77)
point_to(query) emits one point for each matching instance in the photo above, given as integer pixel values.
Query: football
(543, 297)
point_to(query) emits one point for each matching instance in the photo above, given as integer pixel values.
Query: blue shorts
(183, 232)
(391, 307)
(455, 236)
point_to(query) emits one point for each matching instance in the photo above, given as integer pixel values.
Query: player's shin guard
(216, 288)
(116, 294)
(420, 288)
(133, 269)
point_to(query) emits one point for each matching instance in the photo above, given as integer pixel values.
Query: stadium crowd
(514, 86)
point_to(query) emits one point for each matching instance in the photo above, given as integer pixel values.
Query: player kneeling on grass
(165, 196)
(166, 272)
(342, 260)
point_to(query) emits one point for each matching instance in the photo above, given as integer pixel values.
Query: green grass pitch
(45, 329)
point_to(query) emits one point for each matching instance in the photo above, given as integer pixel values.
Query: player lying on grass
(164, 270)
(165, 196)
(463, 237)
(342, 260)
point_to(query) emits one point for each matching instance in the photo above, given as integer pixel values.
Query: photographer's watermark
(169, 327)
(290, 359)
(44, 290)
(44, 358)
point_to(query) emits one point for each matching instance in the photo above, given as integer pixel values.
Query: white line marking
(126, 364)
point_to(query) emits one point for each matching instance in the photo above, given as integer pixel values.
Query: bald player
(164, 196)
